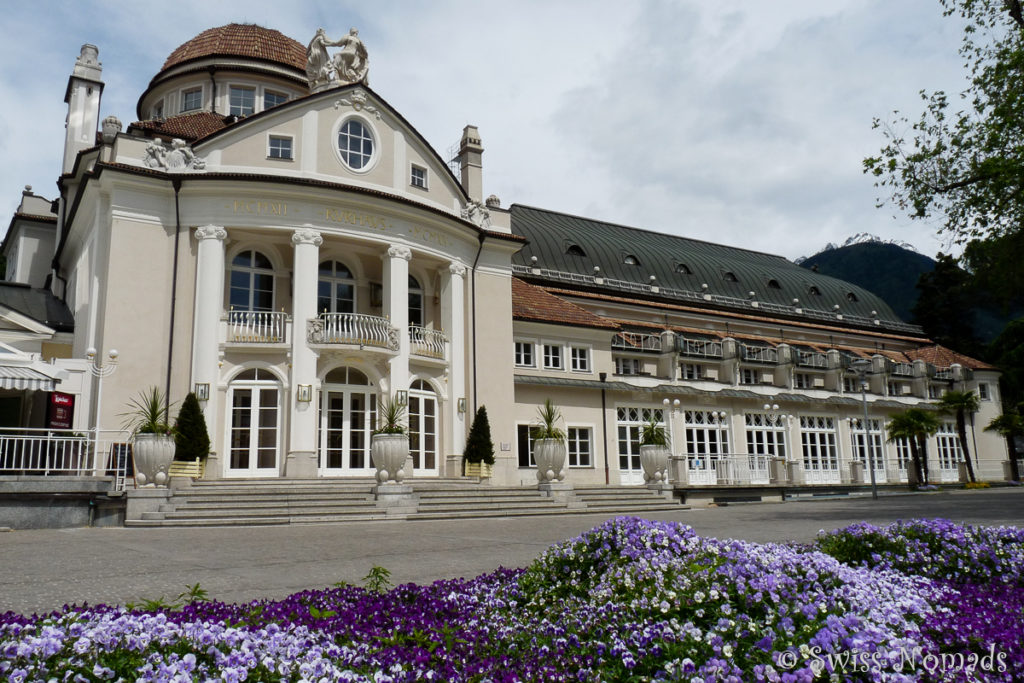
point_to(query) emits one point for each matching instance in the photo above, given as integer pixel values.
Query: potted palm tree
(915, 426)
(549, 444)
(960, 404)
(654, 451)
(389, 445)
(152, 437)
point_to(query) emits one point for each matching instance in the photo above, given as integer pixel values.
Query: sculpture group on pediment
(349, 65)
(179, 157)
(476, 213)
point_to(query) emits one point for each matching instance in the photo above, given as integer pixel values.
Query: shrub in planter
(479, 453)
(152, 437)
(549, 444)
(191, 439)
(389, 445)
(654, 451)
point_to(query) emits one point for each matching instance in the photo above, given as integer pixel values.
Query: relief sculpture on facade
(179, 157)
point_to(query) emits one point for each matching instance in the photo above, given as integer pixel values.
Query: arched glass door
(348, 407)
(255, 425)
(423, 418)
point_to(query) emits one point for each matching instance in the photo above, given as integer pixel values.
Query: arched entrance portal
(348, 408)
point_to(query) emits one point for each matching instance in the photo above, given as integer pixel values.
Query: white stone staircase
(249, 502)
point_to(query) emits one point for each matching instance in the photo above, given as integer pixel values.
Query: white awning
(25, 377)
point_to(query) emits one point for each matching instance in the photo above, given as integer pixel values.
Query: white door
(423, 430)
(255, 427)
(346, 424)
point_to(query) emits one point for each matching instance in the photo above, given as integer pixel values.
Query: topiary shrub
(479, 447)
(191, 439)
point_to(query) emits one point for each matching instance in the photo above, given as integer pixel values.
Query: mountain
(860, 238)
(883, 268)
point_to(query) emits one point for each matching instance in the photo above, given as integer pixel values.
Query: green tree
(1007, 353)
(1009, 426)
(964, 167)
(961, 404)
(479, 447)
(191, 438)
(945, 306)
(915, 425)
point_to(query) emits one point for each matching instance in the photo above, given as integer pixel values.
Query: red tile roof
(241, 40)
(534, 304)
(942, 357)
(188, 127)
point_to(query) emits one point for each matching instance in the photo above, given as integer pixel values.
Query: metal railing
(723, 469)
(699, 348)
(352, 328)
(636, 341)
(426, 342)
(759, 354)
(257, 327)
(65, 452)
(811, 359)
(944, 373)
(901, 369)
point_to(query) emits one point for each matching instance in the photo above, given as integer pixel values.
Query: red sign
(61, 411)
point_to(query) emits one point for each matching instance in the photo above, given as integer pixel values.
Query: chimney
(83, 100)
(470, 163)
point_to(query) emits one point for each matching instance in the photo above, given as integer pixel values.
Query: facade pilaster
(209, 303)
(453, 322)
(302, 451)
(396, 309)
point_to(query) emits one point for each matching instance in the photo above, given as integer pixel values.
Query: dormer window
(631, 260)
(683, 269)
(729, 276)
(774, 284)
(418, 177)
(851, 297)
(814, 290)
(575, 250)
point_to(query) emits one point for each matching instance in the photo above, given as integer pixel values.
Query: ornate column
(396, 309)
(209, 304)
(301, 461)
(453, 322)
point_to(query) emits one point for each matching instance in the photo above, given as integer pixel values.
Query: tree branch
(1016, 13)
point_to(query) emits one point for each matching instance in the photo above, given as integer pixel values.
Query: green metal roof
(568, 248)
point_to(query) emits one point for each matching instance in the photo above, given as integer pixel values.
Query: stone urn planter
(389, 453)
(549, 454)
(153, 456)
(654, 460)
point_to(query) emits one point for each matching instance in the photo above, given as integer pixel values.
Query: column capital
(307, 236)
(211, 232)
(398, 251)
(456, 268)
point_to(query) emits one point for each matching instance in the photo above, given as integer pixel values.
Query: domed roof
(241, 40)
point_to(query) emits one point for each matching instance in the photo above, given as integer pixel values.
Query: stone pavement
(41, 570)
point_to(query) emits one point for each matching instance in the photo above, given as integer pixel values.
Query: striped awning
(23, 377)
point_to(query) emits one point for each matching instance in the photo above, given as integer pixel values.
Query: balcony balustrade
(257, 327)
(636, 341)
(901, 369)
(699, 348)
(812, 359)
(768, 355)
(427, 342)
(352, 328)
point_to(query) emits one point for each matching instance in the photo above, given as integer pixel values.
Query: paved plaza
(42, 570)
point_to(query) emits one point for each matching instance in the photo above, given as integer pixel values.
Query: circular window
(355, 144)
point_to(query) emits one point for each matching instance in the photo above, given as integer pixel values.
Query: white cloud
(737, 122)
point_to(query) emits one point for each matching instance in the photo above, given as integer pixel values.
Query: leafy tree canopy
(963, 164)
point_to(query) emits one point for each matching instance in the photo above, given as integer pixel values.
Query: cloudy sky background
(731, 121)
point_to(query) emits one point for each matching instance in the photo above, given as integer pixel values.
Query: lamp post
(672, 406)
(99, 371)
(862, 368)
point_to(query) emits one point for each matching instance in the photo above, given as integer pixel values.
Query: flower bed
(631, 600)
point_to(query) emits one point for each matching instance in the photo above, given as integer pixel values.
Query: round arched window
(355, 144)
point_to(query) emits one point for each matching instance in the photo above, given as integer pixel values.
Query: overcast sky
(741, 122)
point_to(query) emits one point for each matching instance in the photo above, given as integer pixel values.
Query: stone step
(469, 507)
(242, 498)
(193, 507)
(208, 521)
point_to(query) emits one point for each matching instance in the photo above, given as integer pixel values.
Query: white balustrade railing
(426, 342)
(699, 348)
(65, 452)
(732, 469)
(352, 328)
(636, 341)
(257, 327)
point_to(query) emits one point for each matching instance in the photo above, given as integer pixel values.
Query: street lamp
(862, 368)
(100, 371)
(673, 407)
